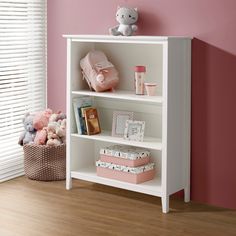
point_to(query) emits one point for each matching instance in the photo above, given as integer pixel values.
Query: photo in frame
(119, 122)
(134, 130)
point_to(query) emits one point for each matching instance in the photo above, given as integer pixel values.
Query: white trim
(68, 112)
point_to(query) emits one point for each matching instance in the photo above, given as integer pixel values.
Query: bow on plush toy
(127, 17)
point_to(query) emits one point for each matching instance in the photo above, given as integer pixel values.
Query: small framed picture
(134, 130)
(119, 121)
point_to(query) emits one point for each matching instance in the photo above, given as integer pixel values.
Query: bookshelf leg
(165, 204)
(187, 194)
(68, 183)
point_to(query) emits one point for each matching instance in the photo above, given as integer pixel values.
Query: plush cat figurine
(126, 17)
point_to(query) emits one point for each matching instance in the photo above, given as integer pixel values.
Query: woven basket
(45, 163)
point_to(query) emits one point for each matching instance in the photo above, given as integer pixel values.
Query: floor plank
(31, 208)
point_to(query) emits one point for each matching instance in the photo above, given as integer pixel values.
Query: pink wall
(212, 24)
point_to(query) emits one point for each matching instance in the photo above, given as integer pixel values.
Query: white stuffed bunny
(127, 17)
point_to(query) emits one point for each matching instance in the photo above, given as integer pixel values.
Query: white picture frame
(134, 130)
(119, 122)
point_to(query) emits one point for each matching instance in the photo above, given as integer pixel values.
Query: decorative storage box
(133, 175)
(125, 155)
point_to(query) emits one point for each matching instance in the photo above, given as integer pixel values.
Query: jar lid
(140, 69)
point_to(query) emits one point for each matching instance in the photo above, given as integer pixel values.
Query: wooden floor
(30, 208)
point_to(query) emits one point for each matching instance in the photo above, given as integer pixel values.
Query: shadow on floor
(177, 204)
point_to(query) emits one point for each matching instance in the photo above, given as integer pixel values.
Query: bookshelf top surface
(110, 38)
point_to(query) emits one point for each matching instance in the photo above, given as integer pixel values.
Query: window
(22, 75)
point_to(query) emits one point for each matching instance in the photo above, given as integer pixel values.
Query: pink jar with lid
(139, 76)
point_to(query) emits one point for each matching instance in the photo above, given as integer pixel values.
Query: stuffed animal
(57, 116)
(53, 138)
(61, 116)
(53, 117)
(41, 136)
(28, 135)
(40, 123)
(53, 126)
(41, 119)
(127, 17)
(61, 131)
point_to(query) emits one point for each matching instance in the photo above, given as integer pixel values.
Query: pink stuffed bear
(40, 123)
(41, 136)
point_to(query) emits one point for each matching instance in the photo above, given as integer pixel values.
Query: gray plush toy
(28, 135)
(127, 17)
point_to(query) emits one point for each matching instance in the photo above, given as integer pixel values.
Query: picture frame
(119, 122)
(134, 130)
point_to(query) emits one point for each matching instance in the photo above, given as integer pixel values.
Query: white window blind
(22, 75)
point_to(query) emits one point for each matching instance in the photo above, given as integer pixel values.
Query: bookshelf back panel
(126, 56)
(150, 113)
(82, 153)
(138, 54)
(72, 119)
(86, 152)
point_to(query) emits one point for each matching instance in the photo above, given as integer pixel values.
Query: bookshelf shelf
(152, 187)
(121, 94)
(105, 136)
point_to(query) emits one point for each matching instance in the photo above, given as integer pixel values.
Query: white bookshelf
(167, 115)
